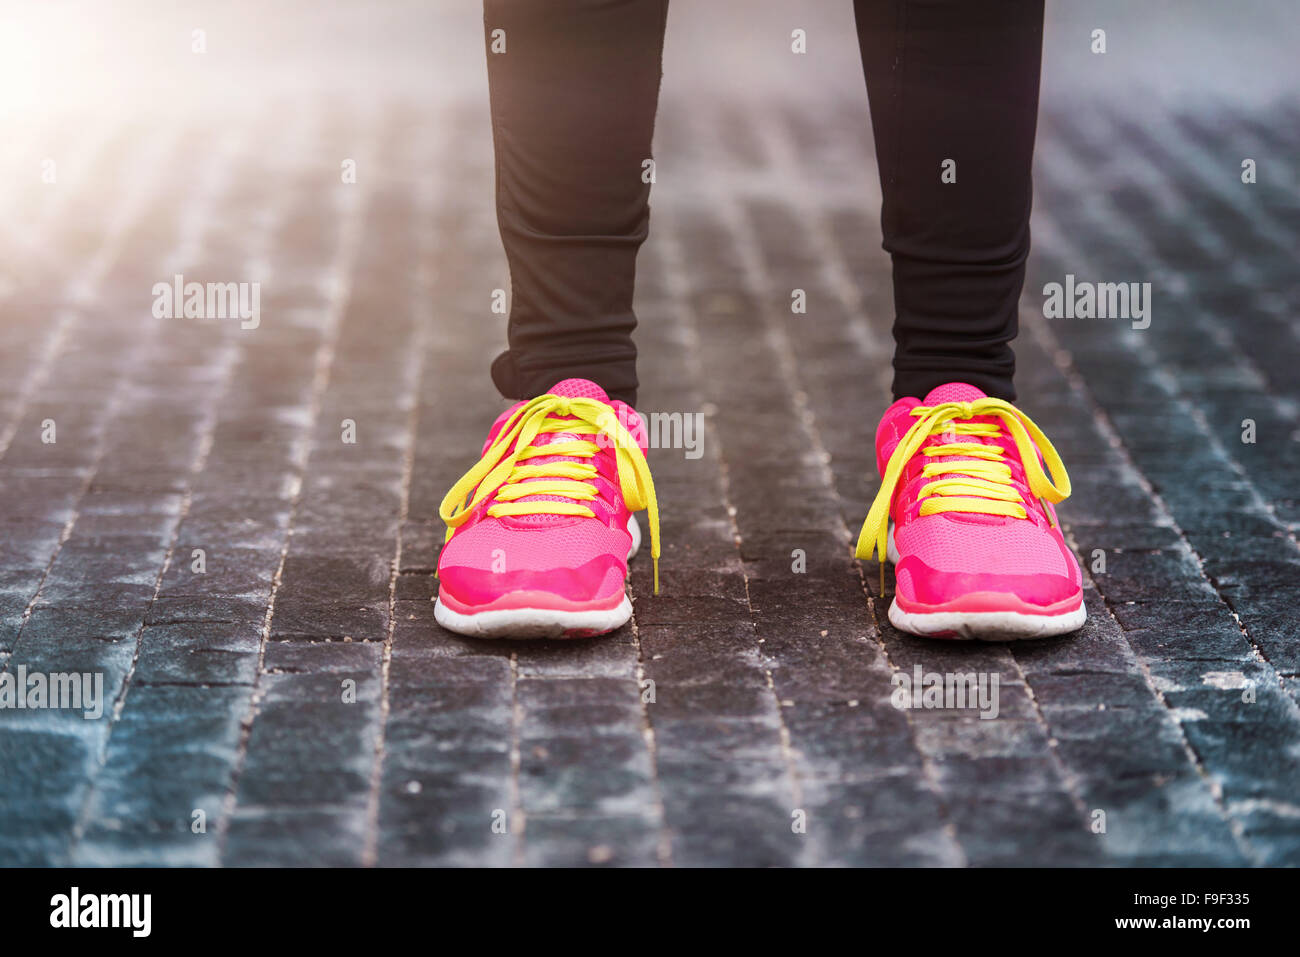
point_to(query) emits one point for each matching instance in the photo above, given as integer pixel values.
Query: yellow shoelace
(500, 474)
(982, 486)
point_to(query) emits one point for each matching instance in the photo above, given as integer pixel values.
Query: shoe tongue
(572, 389)
(965, 392)
(578, 389)
(953, 392)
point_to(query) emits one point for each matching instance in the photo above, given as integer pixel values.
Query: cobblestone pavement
(256, 589)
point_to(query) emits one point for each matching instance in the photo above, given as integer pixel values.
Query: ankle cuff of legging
(918, 383)
(617, 378)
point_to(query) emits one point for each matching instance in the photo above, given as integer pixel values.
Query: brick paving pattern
(296, 697)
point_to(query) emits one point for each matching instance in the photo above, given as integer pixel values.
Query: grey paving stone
(308, 837)
(315, 735)
(590, 840)
(169, 763)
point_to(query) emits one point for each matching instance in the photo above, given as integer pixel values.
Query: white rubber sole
(523, 623)
(530, 623)
(986, 625)
(980, 625)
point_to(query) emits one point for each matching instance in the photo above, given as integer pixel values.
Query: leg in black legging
(954, 80)
(573, 102)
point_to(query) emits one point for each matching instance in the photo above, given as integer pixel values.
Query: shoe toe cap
(595, 580)
(918, 583)
(574, 563)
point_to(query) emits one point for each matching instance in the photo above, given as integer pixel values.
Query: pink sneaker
(540, 531)
(974, 539)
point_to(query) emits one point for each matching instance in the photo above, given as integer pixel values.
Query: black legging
(573, 107)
